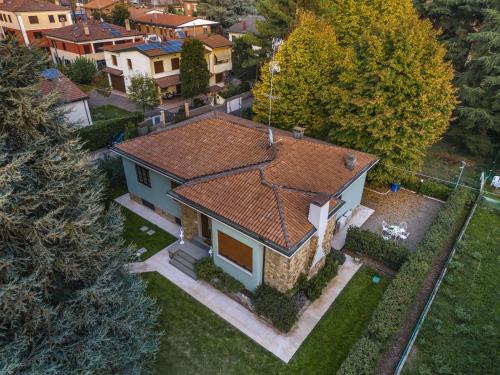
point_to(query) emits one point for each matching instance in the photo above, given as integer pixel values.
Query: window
(234, 250)
(86, 49)
(98, 46)
(158, 67)
(1, 17)
(147, 29)
(175, 63)
(51, 18)
(62, 18)
(219, 78)
(64, 46)
(33, 19)
(205, 29)
(143, 175)
(37, 35)
(10, 19)
(53, 44)
(114, 60)
(129, 64)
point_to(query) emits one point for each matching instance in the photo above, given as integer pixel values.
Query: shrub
(394, 305)
(206, 270)
(364, 242)
(314, 286)
(100, 133)
(235, 90)
(113, 170)
(82, 70)
(131, 130)
(429, 188)
(361, 359)
(279, 308)
(338, 256)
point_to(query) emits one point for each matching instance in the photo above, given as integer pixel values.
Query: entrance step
(184, 262)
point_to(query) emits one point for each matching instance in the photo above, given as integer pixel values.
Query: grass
(197, 341)
(461, 332)
(107, 112)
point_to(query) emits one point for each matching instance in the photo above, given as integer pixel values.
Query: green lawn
(461, 332)
(196, 341)
(107, 112)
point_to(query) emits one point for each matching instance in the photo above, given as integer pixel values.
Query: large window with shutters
(158, 67)
(143, 175)
(234, 250)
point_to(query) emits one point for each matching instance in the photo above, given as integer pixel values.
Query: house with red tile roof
(101, 7)
(73, 101)
(27, 20)
(87, 39)
(266, 200)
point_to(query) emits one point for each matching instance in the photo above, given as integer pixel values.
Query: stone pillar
(189, 218)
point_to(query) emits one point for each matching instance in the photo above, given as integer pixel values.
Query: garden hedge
(364, 242)
(429, 188)
(206, 270)
(100, 133)
(281, 309)
(315, 285)
(393, 307)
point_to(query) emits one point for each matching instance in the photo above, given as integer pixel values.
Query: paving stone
(144, 228)
(150, 232)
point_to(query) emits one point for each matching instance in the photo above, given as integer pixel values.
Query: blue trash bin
(394, 187)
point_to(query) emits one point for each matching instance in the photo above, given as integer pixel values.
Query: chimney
(244, 25)
(86, 29)
(56, 2)
(350, 161)
(127, 24)
(271, 137)
(298, 132)
(318, 216)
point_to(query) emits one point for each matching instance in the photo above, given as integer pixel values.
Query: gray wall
(157, 194)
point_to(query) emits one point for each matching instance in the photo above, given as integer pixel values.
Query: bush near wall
(315, 285)
(281, 309)
(394, 305)
(429, 188)
(100, 133)
(206, 270)
(364, 242)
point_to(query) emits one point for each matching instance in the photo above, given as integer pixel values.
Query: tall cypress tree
(67, 303)
(194, 71)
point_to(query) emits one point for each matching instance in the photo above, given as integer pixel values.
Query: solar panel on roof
(51, 73)
(180, 34)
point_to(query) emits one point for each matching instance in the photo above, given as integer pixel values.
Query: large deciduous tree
(67, 303)
(389, 94)
(194, 72)
(143, 92)
(119, 14)
(226, 12)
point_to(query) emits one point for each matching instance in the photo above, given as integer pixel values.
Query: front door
(205, 226)
(117, 83)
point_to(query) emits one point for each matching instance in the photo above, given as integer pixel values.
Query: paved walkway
(358, 218)
(281, 345)
(149, 215)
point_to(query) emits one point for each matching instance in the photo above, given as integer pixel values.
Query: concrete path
(149, 215)
(281, 345)
(358, 218)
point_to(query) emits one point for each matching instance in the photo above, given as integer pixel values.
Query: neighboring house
(102, 7)
(74, 101)
(190, 8)
(267, 201)
(27, 20)
(244, 26)
(87, 39)
(161, 61)
(171, 26)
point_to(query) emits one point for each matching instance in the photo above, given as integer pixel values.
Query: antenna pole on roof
(273, 68)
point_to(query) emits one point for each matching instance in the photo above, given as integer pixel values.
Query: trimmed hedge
(364, 242)
(206, 270)
(315, 285)
(281, 309)
(100, 133)
(429, 188)
(394, 305)
(230, 91)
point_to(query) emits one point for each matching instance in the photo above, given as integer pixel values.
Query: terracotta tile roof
(97, 31)
(165, 82)
(29, 6)
(166, 20)
(99, 4)
(113, 71)
(68, 91)
(235, 174)
(214, 41)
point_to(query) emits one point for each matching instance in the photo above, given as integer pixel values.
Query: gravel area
(416, 210)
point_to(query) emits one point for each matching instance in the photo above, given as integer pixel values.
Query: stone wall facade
(282, 273)
(135, 198)
(189, 218)
(158, 210)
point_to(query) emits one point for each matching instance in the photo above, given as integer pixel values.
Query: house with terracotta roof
(172, 26)
(27, 20)
(266, 200)
(73, 101)
(161, 61)
(87, 39)
(102, 7)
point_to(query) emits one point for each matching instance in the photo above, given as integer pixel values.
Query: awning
(166, 82)
(223, 55)
(113, 71)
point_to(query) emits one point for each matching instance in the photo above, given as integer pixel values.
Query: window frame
(220, 75)
(224, 254)
(129, 64)
(51, 18)
(33, 20)
(114, 60)
(143, 176)
(162, 67)
(62, 18)
(87, 49)
(178, 63)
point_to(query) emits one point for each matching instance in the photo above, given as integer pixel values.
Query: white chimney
(318, 216)
(298, 132)
(350, 161)
(127, 24)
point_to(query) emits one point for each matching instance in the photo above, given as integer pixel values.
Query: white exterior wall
(140, 64)
(78, 113)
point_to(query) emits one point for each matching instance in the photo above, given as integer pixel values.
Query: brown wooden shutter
(235, 251)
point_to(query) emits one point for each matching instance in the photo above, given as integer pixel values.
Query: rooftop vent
(298, 132)
(350, 162)
(86, 29)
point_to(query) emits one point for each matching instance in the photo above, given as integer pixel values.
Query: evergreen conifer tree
(67, 302)
(194, 72)
(227, 12)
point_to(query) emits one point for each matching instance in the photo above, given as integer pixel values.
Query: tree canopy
(194, 72)
(388, 90)
(68, 304)
(227, 12)
(143, 92)
(119, 14)
(82, 70)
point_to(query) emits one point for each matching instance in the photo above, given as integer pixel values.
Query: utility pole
(273, 68)
(462, 167)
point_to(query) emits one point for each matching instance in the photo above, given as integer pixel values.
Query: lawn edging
(395, 303)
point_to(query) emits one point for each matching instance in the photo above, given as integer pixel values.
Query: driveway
(118, 100)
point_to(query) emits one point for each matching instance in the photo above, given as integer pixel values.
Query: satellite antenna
(273, 68)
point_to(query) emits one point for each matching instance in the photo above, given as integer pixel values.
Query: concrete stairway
(184, 262)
